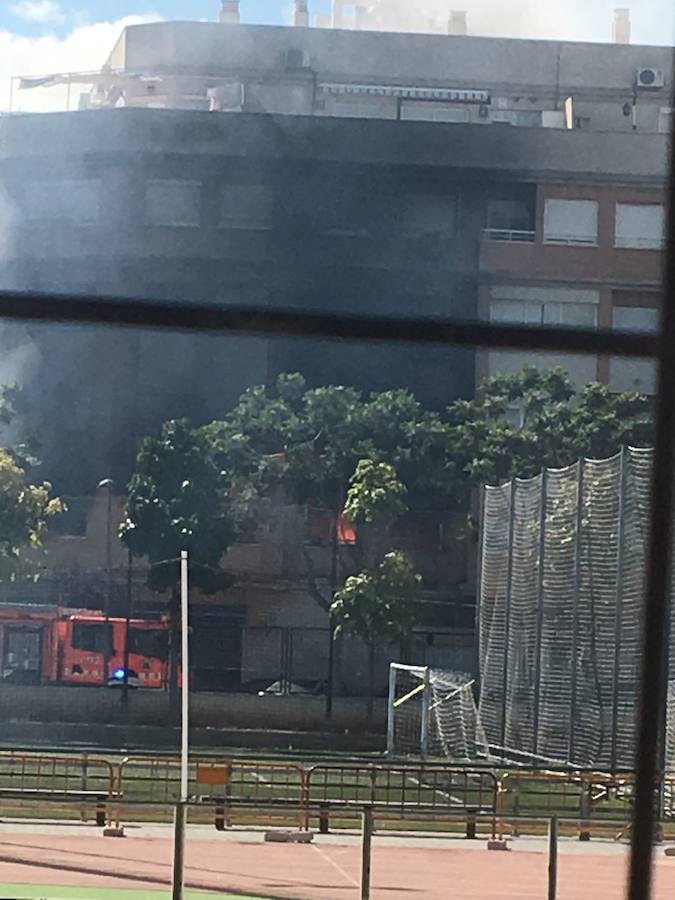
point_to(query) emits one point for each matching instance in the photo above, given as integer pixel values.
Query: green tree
(25, 507)
(25, 511)
(378, 604)
(375, 496)
(302, 445)
(518, 424)
(177, 500)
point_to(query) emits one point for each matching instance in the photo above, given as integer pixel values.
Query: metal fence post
(618, 615)
(366, 847)
(178, 879)
(553, 858)
(571, 753)
(540, 610)
(507, 614)
(479, 591)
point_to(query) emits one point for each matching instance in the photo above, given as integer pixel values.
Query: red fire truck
(53, 645)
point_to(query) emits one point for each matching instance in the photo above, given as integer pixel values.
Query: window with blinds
(571, 222)
(640, 226)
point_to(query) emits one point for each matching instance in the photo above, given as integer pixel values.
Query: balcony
(521, 254)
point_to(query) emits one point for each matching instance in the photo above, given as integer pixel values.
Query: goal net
(432, 712)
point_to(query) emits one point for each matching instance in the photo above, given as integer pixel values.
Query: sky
(43, 36)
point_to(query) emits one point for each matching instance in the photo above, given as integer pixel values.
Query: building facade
(321, 169)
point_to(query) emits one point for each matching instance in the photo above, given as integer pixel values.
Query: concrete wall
(145, 708)
(600, 77)
(542, 153)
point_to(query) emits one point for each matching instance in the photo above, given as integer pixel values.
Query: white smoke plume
(653, 20)
(510, 18)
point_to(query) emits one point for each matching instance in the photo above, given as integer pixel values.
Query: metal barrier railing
(593, 799)
(227, 789)
(223, 784)
(404, 790)
(56, 780)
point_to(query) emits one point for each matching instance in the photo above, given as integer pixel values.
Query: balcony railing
(509, 235)
(572, 240)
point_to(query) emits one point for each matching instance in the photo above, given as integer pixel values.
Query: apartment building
(574, 247)
(323, 168)
(586, 253)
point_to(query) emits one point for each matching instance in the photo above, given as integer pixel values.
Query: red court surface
(325, 870)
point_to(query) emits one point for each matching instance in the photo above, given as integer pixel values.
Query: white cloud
(85, 49)
(38, 11)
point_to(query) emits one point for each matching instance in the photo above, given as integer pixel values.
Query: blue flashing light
(118, 674)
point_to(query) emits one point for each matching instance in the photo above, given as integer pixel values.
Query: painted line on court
(335, 865)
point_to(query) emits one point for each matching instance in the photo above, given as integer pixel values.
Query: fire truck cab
(92, 650)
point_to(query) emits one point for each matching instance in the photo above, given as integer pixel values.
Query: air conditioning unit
(650, 79)
(295, 58)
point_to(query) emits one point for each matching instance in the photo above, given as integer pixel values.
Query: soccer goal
(432, 712)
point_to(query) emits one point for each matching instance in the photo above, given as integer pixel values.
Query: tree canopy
(25, 507)
(380, 602)
(519, 424)
(25, 510)
(177, 500)
(307, 442)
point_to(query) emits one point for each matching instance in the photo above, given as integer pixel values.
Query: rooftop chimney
(301, 16)
(229, 14)
(457, 23)
(621, 26)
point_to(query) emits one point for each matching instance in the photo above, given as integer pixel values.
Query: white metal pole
(185, 669)
(178, 880)
(391, 709)
(426, 708)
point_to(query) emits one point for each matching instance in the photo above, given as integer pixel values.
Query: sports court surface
(72, 863)
(42, 892)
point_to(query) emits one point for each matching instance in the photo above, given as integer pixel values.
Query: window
(634, 374)
(246, 206)
(173, 203)
(640, 226)
(510, 220)
(363, 110)
(73, 200)
(149, 642)
(552, 313)
(636, 318)
(431, 214)
(94, 637)
(413, 110)
(571, 222)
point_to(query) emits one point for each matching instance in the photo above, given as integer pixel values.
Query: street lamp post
(109, 485)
